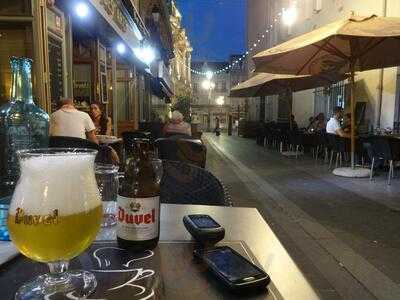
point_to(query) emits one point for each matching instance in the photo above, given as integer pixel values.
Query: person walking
(217, 129)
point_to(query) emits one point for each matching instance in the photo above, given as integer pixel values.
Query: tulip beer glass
(55, 214)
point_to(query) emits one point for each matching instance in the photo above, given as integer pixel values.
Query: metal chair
(185, 150)
(129, 136)
(383, 148)
(295, 140)
(184, 183)
(103, 155)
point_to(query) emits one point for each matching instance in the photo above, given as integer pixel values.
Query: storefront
(77, 53)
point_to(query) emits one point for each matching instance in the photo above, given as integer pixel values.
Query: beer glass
(55, 214)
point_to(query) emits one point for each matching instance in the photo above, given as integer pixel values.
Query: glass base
(74, 284)
(108, 220)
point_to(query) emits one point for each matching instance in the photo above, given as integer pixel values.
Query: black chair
(177, 136)
(339, 146)
(384, 148)
(184, 183)
(189, 151)
(103, 155)
(129, 136)
(71, 142)
(295, 140)
(320, 144)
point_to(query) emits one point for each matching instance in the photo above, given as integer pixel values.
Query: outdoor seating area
(177, 149)
(373, 151)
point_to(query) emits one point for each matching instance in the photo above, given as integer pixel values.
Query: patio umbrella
(264, 84)
(345, 46)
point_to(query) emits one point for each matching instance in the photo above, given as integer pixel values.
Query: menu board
(56, 71)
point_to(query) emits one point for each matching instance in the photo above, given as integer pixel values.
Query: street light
(289, 16)
(209, 75)
(145, 54)
(82, 10)
(121, 48)
(208, 85)
(220, 100)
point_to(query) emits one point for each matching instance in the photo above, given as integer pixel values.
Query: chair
(103, 155)
(295, 140)
(338, 145)
(128, 138)
(384, 148)
(71, 142)
(176, 135)
(184, 183)
(185, 150)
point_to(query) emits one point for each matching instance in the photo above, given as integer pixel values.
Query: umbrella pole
(353, 121)
(290, 108)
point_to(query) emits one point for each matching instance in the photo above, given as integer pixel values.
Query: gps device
(232, 269)
(204, 229)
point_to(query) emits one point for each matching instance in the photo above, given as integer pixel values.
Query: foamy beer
(55, 212)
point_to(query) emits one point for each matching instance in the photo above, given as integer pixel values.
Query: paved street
(343, 233)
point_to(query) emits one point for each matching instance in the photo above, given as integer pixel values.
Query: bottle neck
(21, 69)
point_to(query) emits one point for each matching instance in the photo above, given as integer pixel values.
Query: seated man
(68, 121)
(177, 125)
(333, 125)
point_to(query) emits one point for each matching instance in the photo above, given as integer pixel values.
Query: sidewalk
(343, 233)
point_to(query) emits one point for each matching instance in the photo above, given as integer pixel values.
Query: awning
(161, 89)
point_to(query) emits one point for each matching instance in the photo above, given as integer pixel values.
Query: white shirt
(332, 125)
(70, 122)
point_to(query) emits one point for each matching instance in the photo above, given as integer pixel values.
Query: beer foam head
(57, 181)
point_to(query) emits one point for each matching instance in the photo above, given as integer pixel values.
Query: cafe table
(241, 224)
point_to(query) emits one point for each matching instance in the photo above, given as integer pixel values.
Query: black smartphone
(204, 229)
(232, 269)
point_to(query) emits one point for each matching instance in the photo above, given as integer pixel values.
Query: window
(195, 87)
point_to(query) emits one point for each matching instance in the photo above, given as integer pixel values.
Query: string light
(255, 45)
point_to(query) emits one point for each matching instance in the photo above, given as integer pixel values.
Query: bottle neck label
(138, 218)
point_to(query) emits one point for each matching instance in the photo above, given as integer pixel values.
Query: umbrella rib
(312, 57)
(334, 50)
(371, 47)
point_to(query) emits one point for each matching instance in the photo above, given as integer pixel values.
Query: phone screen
(204, 221)
(231, 265)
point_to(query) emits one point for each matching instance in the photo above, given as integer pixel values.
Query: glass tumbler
(108, 182)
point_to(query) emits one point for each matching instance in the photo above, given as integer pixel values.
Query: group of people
(71, 122)
(316, 123)
(333, 126)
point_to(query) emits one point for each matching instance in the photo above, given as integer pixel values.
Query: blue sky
(216, 28)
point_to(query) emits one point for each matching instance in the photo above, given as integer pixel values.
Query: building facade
(379, 89)
(180, 64)
(86, 51)
(238, 74)
(212, 101)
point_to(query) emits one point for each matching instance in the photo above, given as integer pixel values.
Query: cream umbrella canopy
(264, 84)
(345, 46)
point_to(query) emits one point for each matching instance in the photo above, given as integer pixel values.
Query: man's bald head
(65, 101)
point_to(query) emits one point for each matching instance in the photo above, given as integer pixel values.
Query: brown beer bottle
(138, 226)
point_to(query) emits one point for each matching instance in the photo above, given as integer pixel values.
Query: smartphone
(204, 229)
(232, 269)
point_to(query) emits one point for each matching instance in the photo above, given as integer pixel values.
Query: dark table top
(241, 224)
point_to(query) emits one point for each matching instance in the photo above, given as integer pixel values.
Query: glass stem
(58, 272)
